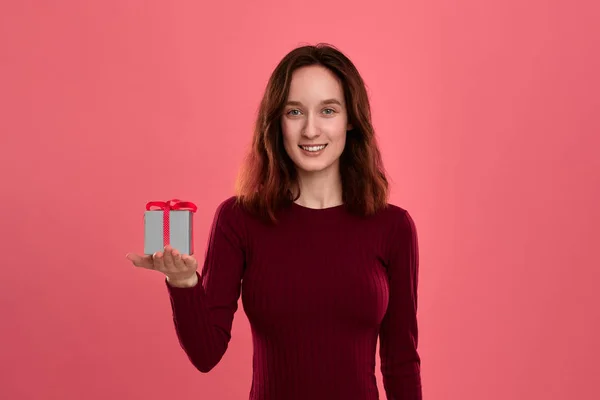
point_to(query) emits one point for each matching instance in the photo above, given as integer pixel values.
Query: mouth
(313, 148)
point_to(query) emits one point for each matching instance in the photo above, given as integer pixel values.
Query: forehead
(313, 84)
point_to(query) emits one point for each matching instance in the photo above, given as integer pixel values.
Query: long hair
(267, 175)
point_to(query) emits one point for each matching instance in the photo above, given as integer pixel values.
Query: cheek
(339, 137)
(288, 138)
(286, 130)
(338, 131)
(339, 143)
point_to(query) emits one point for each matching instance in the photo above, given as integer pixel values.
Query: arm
(203, 314)
(400, 361)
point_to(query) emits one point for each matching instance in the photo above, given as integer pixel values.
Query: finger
(168, 258)
(189, 261)
(177, 261)
(158, 259)
(144, 261)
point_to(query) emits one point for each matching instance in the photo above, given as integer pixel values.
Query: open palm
(180, 269)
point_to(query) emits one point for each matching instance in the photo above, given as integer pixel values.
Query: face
(315, 121)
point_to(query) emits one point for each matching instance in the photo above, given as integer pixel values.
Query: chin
(311, 170)
(314, 167)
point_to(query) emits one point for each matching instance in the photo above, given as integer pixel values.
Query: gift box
(169, 222)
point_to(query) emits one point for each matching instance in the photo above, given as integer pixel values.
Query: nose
(310, 130)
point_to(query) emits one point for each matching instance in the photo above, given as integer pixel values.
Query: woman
(324, 265)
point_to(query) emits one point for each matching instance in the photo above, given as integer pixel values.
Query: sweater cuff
(178, 294)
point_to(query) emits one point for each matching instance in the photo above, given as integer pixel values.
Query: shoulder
(229, 219)
(394, 213)
(227, 205)
(229, 212)
(402, 243)
(397, 220)
(229, 209)
(392, 210)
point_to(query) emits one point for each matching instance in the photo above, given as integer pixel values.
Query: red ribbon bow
(167, 206)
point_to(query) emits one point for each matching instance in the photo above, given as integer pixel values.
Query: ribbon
(166, 207)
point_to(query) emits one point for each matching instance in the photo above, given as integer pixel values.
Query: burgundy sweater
(319, 288)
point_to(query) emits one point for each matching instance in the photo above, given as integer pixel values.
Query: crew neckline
(309, 209)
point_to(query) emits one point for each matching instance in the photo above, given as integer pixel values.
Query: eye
(329, 111)
(293, 112)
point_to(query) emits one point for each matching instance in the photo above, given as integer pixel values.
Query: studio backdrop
(487, 116)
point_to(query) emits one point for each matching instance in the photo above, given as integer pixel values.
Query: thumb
(137, 260)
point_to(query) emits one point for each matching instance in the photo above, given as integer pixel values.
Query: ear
(350, 127)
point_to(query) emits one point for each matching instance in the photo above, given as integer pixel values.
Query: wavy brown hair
(268, 174)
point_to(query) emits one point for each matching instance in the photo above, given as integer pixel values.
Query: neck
(321, 189)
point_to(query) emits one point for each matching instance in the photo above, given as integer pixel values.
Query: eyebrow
(328, 101)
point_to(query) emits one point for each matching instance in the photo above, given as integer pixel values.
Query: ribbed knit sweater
(319, 288)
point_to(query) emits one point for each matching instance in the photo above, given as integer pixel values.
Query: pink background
(487, 114)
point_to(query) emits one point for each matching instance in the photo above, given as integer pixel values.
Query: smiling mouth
(313, 148)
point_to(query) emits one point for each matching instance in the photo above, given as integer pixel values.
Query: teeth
(313, 148)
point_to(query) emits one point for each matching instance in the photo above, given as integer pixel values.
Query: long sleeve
(203, 314)
(400, 361)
